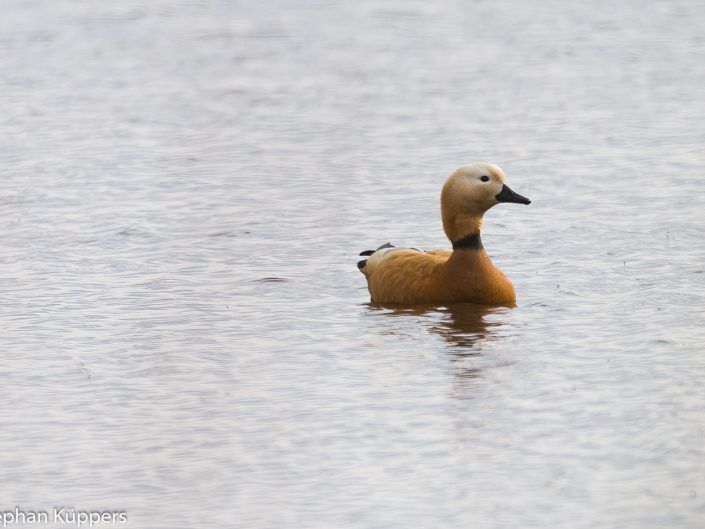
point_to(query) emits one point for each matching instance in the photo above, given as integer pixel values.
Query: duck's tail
(362, 264)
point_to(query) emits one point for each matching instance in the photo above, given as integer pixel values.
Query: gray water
(185, 334)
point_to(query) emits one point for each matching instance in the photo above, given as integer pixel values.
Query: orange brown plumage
(465, 274)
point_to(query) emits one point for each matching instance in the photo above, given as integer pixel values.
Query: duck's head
(468, 193)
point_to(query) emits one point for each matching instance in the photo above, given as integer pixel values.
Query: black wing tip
(370, 252)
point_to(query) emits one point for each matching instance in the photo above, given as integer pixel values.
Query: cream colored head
(468, 193)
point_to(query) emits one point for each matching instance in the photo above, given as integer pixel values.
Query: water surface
(186, 337)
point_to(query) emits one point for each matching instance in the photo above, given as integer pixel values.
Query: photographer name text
(61, 515)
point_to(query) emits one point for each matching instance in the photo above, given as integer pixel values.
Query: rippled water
(186, 337)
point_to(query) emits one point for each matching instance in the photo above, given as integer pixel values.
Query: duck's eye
(485, 178)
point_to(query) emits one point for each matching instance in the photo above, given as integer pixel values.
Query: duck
(409, 276)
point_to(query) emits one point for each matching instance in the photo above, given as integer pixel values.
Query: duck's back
(404, 275)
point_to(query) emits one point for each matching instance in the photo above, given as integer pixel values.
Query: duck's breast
(471, 276)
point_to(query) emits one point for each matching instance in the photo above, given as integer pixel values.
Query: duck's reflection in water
(465, 327)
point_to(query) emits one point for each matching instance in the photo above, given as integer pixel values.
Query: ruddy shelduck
(464, 274)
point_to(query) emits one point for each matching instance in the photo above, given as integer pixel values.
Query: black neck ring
(469, 242)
